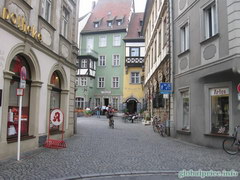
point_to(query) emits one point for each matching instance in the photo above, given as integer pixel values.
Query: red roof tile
(109, 10)
(135, 27)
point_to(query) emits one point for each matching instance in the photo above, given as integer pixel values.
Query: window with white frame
(116, 60)
(46, 10)
(84, 63)
(102, 61)
(185, 110)
(102, 41)
(65, 22)
(117, 40)
(135, 77)
(101, 82)
(134, 51)
(83, 81)
(80, 103)
(77, 82)
(115, 103)
(90, 43)
(184, 35)
(115, 82)
(210, 20)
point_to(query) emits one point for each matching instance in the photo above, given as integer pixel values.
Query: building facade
(42, 36)
(157, 63)
(206, 56)
(133, 96)
(101, 38)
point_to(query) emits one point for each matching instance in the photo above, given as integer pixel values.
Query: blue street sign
(165, 88)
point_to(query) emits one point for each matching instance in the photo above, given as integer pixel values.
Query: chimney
(93, 5)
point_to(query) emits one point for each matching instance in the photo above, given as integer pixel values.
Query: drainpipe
(170, 14)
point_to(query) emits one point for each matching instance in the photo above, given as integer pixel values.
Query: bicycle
(231, 144)
(159, 126)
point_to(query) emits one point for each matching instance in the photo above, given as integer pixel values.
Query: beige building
(42, 36)
(156, 30)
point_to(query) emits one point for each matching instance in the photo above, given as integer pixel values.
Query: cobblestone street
(127, 149)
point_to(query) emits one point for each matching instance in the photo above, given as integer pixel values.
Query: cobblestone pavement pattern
(129, 148)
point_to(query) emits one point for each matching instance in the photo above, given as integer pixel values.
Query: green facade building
(101, 61)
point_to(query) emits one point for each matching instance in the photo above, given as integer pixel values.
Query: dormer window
(109, 23)
(96, 24)
(119, 22)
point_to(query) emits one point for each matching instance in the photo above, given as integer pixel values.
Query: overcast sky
(86, 5)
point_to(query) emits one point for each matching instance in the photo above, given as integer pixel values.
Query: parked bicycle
(159, 126)
(231, 144)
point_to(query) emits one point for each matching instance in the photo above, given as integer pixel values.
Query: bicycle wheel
(230, 145)
(163, 132)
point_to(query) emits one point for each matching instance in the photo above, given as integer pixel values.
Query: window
(84, 63)
(97, 102)
(90, 43)
(141, 22)
(116, 60)
(77, 82)
(185, 110)
(115, 82)
(80, 103)
(184, 35)
(102, 41)
(135, 77)
(165, 33)
(134, 51)
(109, 23)
(65, 22)
(119, 22)
(101, 82)
(117, 40)
(12, 126)
(96, 24)
(102, 61)
(219, 110)
(210, 21)
(115, 103)
(46, 10)
(55, 97)
(159, 42)
(83, 81)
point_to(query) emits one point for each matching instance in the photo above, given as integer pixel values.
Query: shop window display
(220, 111)
(13, 108)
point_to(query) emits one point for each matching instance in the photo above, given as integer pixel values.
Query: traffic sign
(23, 77)
(165, 88)
(238, 87)
(20, 92)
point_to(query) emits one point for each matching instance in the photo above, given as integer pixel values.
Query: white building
(42, 36)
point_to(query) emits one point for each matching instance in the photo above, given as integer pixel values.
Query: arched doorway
(132, 105)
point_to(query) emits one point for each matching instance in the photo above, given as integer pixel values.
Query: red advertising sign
(238, 87)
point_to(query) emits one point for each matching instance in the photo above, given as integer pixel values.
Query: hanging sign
(56, 117)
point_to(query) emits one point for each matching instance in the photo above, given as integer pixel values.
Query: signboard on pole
(20, 93)
(238, 88)
(166, 88)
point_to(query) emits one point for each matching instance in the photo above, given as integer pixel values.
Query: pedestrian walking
(98, 111)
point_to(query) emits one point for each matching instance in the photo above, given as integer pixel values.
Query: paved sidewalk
(131, 150)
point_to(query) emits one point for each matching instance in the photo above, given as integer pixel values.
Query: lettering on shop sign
(20, 23)
(219, 91)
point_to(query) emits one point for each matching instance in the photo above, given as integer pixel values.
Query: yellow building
(133, 95)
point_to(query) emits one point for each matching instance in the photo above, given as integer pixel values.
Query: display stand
(56, 117)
